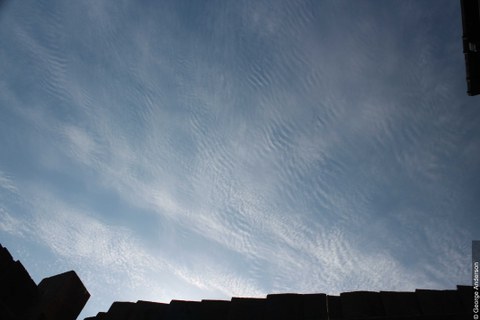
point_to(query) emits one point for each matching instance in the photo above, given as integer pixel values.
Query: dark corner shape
(471, 44)
(61, 297)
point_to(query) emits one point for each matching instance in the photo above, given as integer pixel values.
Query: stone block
(286, 306)
(18, 291)
(62, 297)
(334, 307)
(6, 259)
(147, 310)
(99, 316)
(465, 295)
(214, 309)
(246, 309)
(120, 311)
(361, 304)
(432, 302)
(183, 310)
(451, 302)
(315, 306)
(400, 303)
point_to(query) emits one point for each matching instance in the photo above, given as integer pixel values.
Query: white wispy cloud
(6, 183)
(104, 254)
(11, 225)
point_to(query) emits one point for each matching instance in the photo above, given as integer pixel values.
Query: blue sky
(209, 149)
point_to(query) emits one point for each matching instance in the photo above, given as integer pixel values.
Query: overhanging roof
(471, 44)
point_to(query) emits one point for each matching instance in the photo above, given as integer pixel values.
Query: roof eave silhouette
(471, 44)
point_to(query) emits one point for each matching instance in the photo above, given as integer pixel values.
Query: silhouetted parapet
(471, 44)
(62, 297)
(147, 310)
(451, 303)
(361, 304)
(315, 306)
(286, 306)
(435, 302)
(214, 309)
(334, 307)
(246, 309)
(120, 311)
(99, 316)
(400, 303)
(465, 295)
(18, 291)
(183, 310)
(5, 259)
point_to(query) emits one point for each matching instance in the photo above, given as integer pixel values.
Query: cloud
(276, 162)
(13, 226)
(82, 146)
(7, 184)
(103, 254)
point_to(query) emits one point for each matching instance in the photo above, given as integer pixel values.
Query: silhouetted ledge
(63, 296)
(418, 305)
(471, 44)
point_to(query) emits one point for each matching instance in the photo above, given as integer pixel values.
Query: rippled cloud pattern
(208, 149)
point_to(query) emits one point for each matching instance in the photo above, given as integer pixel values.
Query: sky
(209, 149)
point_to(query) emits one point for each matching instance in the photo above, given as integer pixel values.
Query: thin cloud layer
(226, 149)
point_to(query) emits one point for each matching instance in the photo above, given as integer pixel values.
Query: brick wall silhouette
(63, 296)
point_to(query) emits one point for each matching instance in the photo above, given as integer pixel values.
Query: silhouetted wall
(421, 304)
(63, 296)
